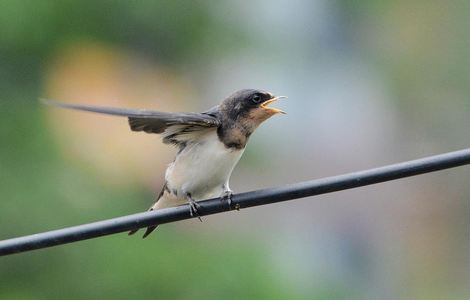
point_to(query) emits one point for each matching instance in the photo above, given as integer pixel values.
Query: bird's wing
(176, 128)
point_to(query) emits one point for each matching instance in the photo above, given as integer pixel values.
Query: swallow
(209, 144)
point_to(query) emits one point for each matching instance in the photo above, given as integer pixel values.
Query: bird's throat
(234, 137)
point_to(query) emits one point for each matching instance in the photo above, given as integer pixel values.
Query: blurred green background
(369, 83)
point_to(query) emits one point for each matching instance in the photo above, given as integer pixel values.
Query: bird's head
(250, 106)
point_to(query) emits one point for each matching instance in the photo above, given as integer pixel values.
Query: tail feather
(133, 231)
(147, 232)
(150, 229)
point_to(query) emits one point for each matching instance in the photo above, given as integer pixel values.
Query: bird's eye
(256, 98)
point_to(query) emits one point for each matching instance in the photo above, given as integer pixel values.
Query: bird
(209, 144)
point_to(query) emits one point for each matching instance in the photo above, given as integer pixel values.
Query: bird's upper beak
(273, 110)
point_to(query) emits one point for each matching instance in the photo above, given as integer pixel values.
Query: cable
(239, 201)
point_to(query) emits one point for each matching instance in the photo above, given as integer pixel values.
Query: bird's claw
(194, 209)
(227, 196)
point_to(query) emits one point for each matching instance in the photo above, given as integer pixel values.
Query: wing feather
(176, 127)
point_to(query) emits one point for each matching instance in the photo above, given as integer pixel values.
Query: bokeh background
(369, 83)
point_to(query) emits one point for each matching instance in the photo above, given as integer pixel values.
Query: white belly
(202, 168)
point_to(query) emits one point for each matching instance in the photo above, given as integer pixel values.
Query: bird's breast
(202, 167)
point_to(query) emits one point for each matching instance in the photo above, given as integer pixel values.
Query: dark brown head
(242, 112)
(251, 104)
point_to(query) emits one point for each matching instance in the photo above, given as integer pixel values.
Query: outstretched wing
(176, 128)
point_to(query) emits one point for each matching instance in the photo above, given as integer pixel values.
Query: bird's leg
(193, 207)
(227, 196)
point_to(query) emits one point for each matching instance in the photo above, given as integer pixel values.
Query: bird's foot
(227, 196)
(194, 208)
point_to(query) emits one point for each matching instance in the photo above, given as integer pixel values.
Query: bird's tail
(150, 229)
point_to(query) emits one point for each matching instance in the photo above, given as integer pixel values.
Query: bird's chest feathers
(203, 165)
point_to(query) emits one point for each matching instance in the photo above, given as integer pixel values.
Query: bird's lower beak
(265, 104)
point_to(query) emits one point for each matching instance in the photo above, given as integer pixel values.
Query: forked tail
(150, 229)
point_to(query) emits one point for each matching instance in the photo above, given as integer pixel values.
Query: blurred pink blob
(98, 74)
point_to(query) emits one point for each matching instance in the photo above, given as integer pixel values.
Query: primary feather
(176, 128)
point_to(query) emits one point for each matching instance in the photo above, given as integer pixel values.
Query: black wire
(243, 200)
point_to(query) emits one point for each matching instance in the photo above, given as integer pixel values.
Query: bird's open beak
(265, 104)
